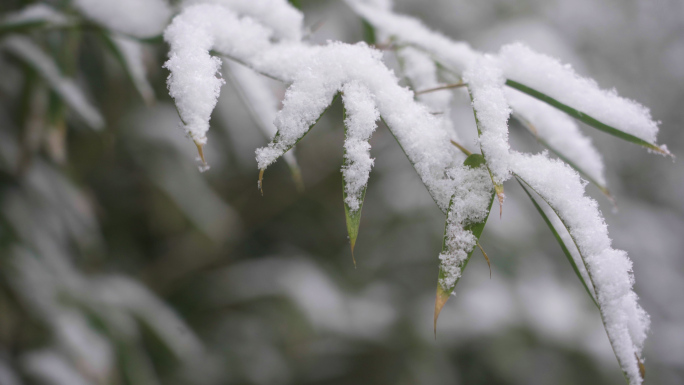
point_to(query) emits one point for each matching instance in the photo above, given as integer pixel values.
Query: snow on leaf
(557, 84)
(262, 105)
(562, 242)
(360, 120)
(485, 84)
(466, 218)
(24, 49)
(560, 134)
(32, 16)
(609, 270)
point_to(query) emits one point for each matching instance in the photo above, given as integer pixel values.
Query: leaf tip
(642, 368)
(500, 195)
(260, 182)
(441, 299)
(200, 150)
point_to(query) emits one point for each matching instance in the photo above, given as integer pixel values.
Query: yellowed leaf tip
(200, 150)
(440, 300)
(261, 179)
(352, 252)
(500, 195)
(487, 258)
(642, 368)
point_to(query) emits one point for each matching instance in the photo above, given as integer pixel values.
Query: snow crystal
(559, 81)
(469, 205)
(559, 132)
(139, 18)
(485, 82)
(361, 115)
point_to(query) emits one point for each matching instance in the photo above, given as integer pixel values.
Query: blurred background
(121, 263)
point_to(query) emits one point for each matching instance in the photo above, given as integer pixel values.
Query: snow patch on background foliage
(139, 18)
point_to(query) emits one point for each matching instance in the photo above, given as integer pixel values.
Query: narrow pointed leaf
(442, 295)
(498, 187)
(129, 54)
(24, 49)
(562, 244)
(262, 105)
(559, 154)
(586, 118)
(35, 16)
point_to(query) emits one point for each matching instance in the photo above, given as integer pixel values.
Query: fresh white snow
(361, 115)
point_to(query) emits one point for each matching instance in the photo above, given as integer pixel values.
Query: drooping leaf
(586, 118)
(25, 50)
(262, 105)
(277, 140)
(442, 295)
(128, 53)
(498, 187)
(353, 218)
(35, 16)
(562, 244)
(602, 187)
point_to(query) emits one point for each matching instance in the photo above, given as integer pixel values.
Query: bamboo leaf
(128, 53)
(442, 295)
(36, 16)
(586, 118)
(603, 188)
(44, 65)
(562, 244)
(353, 218)
(498, 187)
(276, 140)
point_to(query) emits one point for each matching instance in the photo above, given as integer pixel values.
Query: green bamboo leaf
(613, 343)
(36, 16)
(442, 295)
(353, 218)
(562, 244)
(585, 118)
(603, 188)
(498, 187)
(44, 65)
(128, 53)
(276, 139)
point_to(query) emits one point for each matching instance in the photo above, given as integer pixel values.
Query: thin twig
(465, 150)
(444, 87)
(487, 258)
